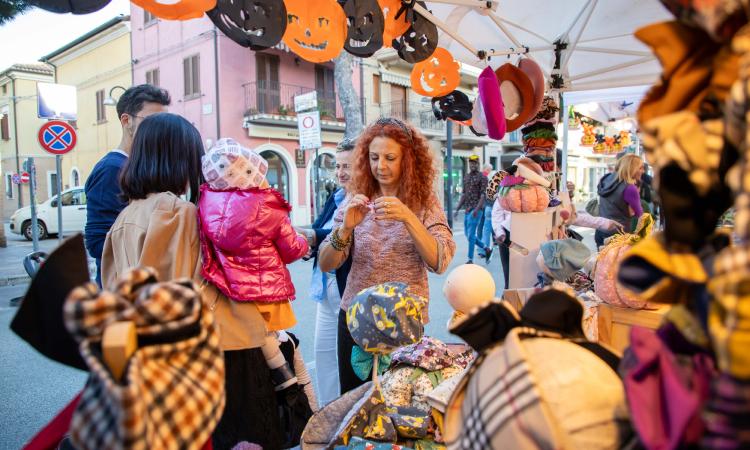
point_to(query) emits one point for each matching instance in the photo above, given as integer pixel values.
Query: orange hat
(517, 94)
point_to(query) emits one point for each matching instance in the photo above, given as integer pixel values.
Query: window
(191, 72)
(376, 89)
(148, 18)
(152, 77)
(8, 185)
(5, 89)
(326, 92)
(101, 115)
(75, 178)
(268, 91)
(78, 197)
(51, 183)
(4, 126)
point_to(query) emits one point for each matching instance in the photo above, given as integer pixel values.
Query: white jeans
(326, 331)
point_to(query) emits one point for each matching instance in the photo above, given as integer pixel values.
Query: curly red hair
(417, 168)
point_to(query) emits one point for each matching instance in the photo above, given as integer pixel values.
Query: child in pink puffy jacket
(247, 240)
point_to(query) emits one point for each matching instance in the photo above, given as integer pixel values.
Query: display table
(614, 323)
(529, 231)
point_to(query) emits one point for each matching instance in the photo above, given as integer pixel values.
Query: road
(33, 388)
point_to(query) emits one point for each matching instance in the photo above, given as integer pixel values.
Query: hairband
(400, 124)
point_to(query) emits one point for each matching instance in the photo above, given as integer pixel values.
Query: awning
(392, 78)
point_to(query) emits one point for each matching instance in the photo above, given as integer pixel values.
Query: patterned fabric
(384, 251)
(229, 165)
(493, 186)
(385, 317)
(357, 443)
(368, 419)
(727, 414)
(409, 386)
(729, 313)
(580, 282)
(720, 19)
(429, 354)
(475, 184)
(172, 391)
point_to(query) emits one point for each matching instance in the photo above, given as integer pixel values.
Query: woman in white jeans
(326, 288)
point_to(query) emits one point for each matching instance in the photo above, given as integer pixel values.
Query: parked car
(73, 215)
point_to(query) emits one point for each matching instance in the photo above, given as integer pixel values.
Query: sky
(30, 36)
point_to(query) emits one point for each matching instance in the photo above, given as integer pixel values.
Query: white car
(73, 215)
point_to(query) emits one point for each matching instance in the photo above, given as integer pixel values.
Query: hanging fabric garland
(366, 25)
(256, 24)
(315, 31)
(181, 10)
(436, 76)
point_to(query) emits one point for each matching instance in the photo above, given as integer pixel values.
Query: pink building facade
(227, 90)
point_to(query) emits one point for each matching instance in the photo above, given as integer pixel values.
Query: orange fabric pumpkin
(316, 30)
(393, 27)
(437, 75)
(608, 263)
(532, 198)
(182, 10)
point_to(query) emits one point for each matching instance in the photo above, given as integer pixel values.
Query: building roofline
(28, 68)
(110, 23)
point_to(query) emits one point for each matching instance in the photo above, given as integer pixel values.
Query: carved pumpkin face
(180, 10)
(437, 75)
(365, 20)
(456, 106)
(419, 41)
(393, 27)
(257, 24)
(315, 30)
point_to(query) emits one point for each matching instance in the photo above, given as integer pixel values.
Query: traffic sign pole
(58, 164)
(32, 199)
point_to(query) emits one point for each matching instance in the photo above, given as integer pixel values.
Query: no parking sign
(57, 137)
(309, 130)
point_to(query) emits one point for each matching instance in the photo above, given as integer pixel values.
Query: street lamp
(109, 101)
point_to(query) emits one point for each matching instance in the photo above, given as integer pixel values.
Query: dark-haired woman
(160, 230)
(393, 227)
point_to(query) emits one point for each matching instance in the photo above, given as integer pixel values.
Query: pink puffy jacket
(247, 240)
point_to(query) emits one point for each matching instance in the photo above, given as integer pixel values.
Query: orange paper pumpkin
(393, 27)
(315, 30)
(180, 10)
(437, 75)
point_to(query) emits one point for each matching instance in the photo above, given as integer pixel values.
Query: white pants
(326, 331)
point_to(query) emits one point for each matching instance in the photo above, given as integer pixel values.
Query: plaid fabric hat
(172, 390)
(229, 165)
(384, 317)
(729, 313)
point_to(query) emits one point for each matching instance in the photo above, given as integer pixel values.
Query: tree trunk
(350, 102)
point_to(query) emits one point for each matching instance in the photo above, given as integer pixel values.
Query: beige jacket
(161, 231)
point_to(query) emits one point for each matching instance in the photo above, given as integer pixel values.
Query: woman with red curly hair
(393, 226)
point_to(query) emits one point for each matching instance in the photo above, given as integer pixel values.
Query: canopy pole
(474, 4)
(572, 48)
(449, 155)
(446, 29)
(643, 60)
(612, 51)
(498, 21)
(564, 162)
(515, 25)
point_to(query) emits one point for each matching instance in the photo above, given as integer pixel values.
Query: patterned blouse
(385, 251)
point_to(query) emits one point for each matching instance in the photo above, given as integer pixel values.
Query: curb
(14, 280)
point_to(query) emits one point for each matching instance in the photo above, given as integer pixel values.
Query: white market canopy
(579, 44)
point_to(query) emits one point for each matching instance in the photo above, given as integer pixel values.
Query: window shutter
(196, 74)
(186, 72)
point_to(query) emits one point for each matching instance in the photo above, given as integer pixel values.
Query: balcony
(273, 103)
(418, 114)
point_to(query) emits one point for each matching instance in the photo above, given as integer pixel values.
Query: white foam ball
(467, 286)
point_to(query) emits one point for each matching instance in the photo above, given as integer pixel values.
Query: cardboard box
(614, 323)
(518, 297)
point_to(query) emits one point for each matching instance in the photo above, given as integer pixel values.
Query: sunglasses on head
(393, 121)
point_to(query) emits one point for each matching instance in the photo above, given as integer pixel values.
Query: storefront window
(326, 181)
(278, 173)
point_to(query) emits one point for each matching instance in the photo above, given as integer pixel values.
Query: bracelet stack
(337, 243)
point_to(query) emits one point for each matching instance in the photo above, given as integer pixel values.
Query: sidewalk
(11, 257)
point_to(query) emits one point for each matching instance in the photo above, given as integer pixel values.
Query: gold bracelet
(337, 243)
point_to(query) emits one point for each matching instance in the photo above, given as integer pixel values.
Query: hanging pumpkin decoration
(366, 24)
(394, 27)
(180, 10)
(256, 24)
(437, 75)
(419, 41)
(315, 30)
(70, 6)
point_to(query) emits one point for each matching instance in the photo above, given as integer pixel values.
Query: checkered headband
(229, 165)
(171, 394)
